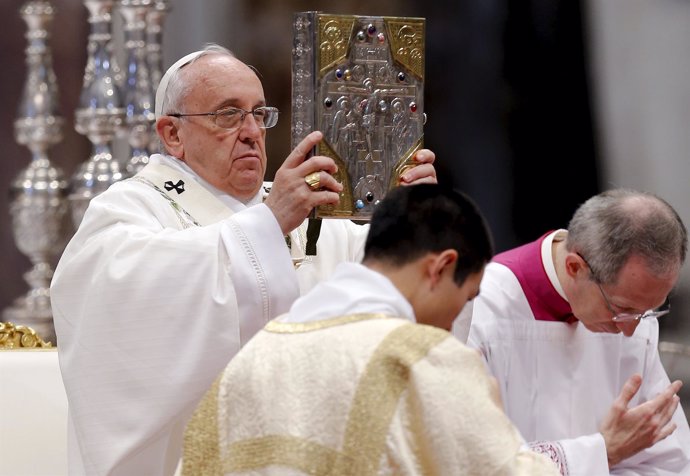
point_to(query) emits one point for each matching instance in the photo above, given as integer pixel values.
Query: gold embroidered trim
(374, 405)
(298, 453)
(278, 327)
(201, 450)
(379, 389)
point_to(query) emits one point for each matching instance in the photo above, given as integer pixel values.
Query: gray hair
(611, 227)
(177, 89)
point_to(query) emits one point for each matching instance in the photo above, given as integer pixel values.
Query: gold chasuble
(364, 394)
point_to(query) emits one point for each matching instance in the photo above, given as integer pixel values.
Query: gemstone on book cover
(367, 81)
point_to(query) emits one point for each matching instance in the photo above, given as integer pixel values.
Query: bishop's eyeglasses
(662, 310)
(232, 118)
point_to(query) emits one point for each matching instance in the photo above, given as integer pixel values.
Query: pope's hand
(292, 198)
(424, 172)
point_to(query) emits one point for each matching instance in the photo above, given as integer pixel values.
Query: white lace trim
(554, 451)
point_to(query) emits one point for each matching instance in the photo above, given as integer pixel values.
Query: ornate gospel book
(360, 81)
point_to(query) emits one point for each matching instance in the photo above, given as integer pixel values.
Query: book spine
(303, 75)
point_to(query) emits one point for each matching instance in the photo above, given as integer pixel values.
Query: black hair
(418, 219)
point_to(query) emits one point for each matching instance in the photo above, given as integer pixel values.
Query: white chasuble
(361, 394)
(164, 281)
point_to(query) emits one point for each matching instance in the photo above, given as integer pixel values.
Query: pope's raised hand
(423, 172)
(301, 184)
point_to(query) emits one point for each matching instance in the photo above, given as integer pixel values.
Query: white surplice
(559, 380)
(153, 296)
(347, 383)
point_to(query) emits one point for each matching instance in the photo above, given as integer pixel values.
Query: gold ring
(313, 180)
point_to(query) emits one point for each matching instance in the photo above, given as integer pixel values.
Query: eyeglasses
(662, 310)
(231, 118)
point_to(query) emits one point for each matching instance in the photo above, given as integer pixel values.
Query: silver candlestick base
(38, 205)
(100, 114)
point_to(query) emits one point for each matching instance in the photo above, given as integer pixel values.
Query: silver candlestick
(155, 19)
(100, 113)
(138, 93)
(38, 194)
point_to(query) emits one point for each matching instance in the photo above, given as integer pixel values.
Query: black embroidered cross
(179, 186)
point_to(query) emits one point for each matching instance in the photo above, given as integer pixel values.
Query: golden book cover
(360, 81)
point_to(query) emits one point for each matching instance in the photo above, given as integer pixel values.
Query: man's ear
(440, 264)
(168, 131)
(574, 264)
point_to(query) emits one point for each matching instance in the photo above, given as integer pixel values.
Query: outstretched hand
(291, 198)
(424, 172)
(628, 431)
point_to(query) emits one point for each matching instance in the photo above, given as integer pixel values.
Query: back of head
(611, 227)
(415, 220)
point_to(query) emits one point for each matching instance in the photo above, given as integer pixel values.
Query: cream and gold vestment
(370, 392)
